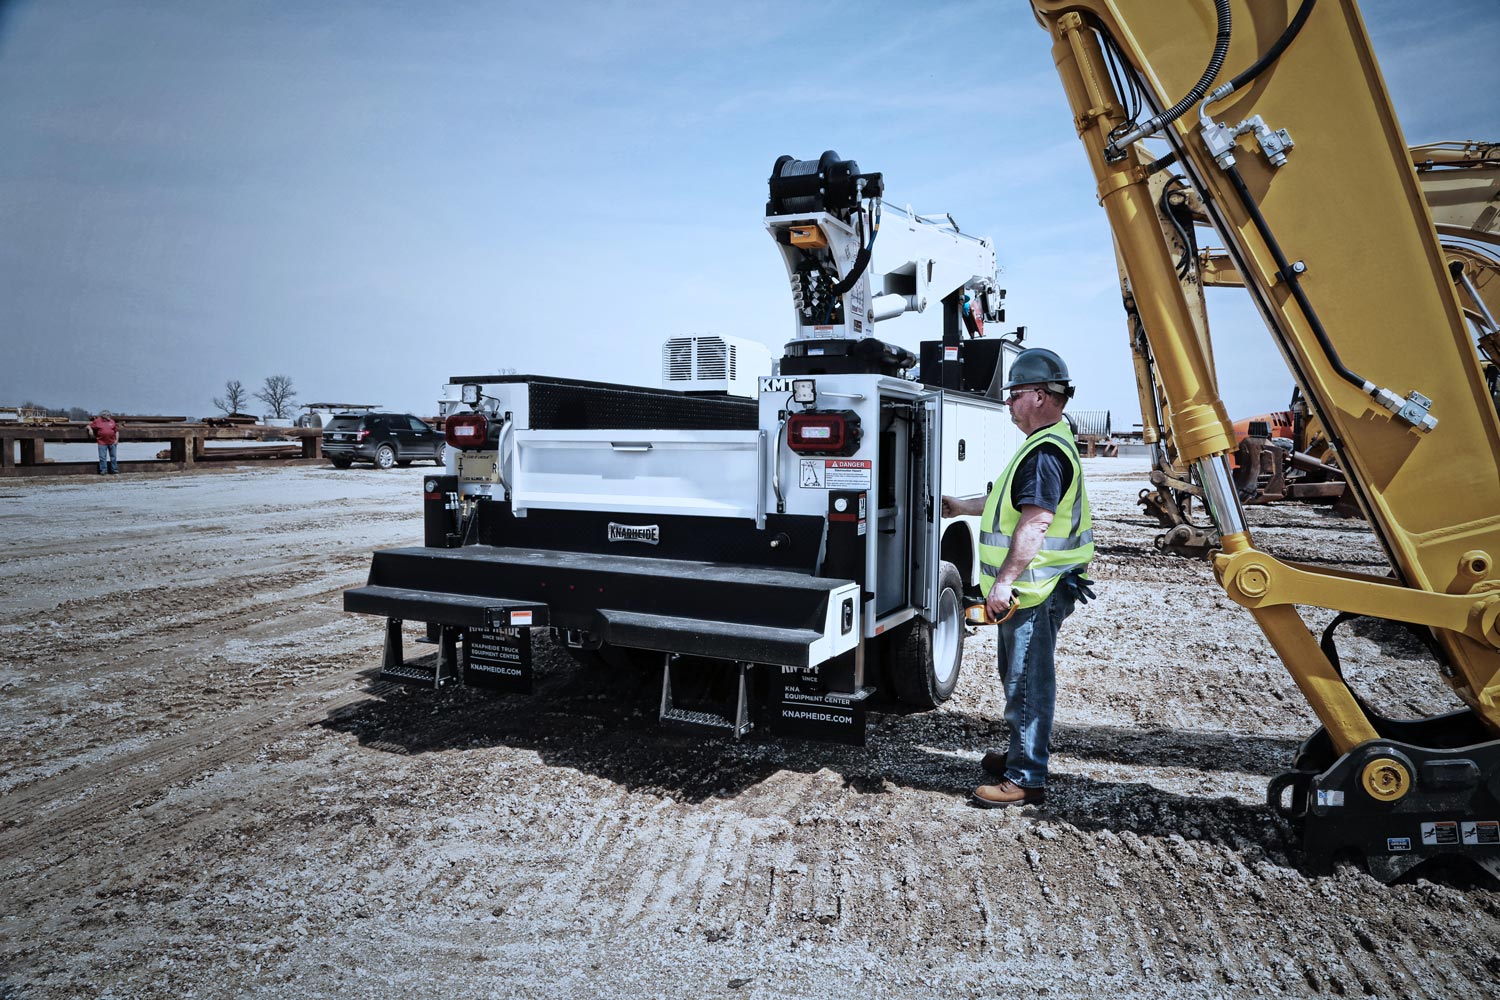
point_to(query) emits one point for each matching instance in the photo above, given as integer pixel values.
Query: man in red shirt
(107, 434)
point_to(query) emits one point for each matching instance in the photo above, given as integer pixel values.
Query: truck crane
(771, 543)
(1296, 157)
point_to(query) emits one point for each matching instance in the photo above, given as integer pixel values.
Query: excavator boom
(1297, 161)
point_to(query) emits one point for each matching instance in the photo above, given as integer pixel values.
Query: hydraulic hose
(1287, 273)
(862, 259)
(1116, 147)
(1271, 55)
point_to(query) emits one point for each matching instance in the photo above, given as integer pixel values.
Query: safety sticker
(1483, 831)
(950, 354)
(834, 473)
(520, 617)
(1437, 834)
(1397, 844)
(1330, 796)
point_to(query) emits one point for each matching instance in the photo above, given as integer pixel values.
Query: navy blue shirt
(1042, 479)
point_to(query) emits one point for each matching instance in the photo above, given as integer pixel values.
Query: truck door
(927, 456)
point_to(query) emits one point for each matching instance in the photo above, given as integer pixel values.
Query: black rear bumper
(733, 612)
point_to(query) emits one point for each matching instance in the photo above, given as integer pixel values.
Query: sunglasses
(1017, 394)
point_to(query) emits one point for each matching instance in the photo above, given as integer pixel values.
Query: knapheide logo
(648, 533)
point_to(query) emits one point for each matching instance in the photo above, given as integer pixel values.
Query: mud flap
(801, 705)
(498, 659)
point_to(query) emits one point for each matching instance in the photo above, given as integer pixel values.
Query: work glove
(1080, 586)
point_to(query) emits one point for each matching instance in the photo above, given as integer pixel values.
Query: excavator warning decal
(1440, 833)
(1484, 831)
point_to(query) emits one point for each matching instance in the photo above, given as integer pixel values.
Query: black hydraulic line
(862, 259)
(1161, 163)
(1285, 272)
(1271, 54)
(1215, 62)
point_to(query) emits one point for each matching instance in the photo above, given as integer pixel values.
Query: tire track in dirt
(25, 822)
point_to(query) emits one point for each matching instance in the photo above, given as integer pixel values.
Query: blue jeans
(1027, 644)
(107, 457)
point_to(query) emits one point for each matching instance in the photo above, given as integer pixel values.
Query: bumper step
(448, 609)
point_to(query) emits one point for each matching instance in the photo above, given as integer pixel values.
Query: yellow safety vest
(1069, 542)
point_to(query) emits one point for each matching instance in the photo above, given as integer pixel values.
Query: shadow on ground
(605, 724)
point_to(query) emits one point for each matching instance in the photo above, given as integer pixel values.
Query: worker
(106, 434)
(1036, 540)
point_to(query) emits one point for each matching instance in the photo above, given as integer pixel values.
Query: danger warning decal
(834, 473)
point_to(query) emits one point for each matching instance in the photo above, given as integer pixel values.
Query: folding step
(736, 723)
(394, 667)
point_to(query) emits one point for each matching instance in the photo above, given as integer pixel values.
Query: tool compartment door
(709, 472)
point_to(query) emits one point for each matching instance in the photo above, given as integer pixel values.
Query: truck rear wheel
(925, 657)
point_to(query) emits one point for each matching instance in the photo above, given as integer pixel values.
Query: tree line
(277, 392)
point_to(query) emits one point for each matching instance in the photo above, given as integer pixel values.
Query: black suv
(386, 439)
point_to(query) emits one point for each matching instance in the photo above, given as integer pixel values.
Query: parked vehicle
(385, 439)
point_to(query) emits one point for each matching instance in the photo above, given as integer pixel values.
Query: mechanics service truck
(771, 543)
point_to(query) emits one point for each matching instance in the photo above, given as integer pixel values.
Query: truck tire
(341, 463)
(925, 657)
(441, 458)
(385, 457)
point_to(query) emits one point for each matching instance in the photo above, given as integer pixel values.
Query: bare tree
(233, 398)
(278, 393)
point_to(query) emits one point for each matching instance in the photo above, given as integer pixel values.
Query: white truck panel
(715, 473)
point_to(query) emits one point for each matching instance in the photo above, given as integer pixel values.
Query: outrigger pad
(800, 705)
(1451, 808)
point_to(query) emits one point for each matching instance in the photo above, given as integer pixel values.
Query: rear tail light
(467, 430)
(828, 433)
(362, 434)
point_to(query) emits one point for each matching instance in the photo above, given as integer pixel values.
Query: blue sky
(373, 196)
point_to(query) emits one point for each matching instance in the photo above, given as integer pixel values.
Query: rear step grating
(393, 665)
(411, 673)
(737, 724)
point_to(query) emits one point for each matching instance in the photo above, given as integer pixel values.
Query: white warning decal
(1434, 834)
(835, 473)
(847, 473)
(1483, 831)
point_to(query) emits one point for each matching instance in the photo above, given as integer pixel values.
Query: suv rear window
(342, 423)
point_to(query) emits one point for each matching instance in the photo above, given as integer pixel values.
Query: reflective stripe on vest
(1069, 541)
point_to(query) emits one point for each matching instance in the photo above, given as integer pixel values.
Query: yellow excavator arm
(1275, 115)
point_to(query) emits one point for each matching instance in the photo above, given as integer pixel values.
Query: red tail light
(362, 434)
(467, 430)
(835, 433)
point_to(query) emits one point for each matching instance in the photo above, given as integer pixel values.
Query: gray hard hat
(1039, 366)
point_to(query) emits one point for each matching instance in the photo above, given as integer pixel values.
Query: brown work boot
(993, 761)
(1007, 793)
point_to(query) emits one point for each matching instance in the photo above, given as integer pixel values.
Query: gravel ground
(206, 791)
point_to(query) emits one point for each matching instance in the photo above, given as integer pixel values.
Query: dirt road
(205, 792)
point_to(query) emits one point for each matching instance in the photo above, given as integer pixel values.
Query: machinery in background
(770, 544)
(1392, 352)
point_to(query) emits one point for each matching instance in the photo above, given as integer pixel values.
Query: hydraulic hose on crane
(862, 259)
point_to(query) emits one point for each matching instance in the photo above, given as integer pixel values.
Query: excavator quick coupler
(1426, 789)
